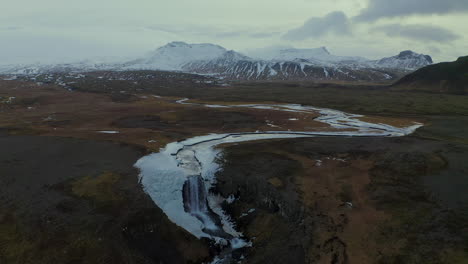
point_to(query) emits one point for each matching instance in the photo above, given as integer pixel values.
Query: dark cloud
(423, 33)
(335, 22)
(398, 8)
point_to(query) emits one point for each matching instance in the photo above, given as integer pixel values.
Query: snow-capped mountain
(292, 54)
(309, 64)
(319, 55)
(285, 64)
(408, 60)
(292, 64)
(288, 70)
(174, 55)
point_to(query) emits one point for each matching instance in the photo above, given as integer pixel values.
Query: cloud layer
(423, 33)
(50, 30)
(335, 22)
(377, 9)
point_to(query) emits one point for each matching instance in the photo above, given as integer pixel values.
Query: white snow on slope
(176, 54)
(407, 60)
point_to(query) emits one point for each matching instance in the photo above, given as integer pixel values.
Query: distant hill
(447, 77)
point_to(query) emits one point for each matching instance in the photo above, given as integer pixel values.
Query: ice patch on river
(163, 176)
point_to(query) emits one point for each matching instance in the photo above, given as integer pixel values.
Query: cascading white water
(195, 195)
(195, 201)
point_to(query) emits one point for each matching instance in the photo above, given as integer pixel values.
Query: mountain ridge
(287, 64)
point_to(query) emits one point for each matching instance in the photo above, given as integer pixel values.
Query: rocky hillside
(300, 69)
(448, 77)
(408, 60)
(303, 64)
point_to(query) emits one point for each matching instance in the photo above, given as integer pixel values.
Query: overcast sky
(58, 30)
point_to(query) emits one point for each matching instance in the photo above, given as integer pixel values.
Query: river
(179, 177)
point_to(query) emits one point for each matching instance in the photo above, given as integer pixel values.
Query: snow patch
(109, 132)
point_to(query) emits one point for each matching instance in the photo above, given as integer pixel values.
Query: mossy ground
(99, 189)
(83, 207)
(365, 201)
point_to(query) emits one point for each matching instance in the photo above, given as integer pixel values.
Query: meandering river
(180, 176)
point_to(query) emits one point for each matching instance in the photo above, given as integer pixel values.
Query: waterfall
(194, 195)
(195, 201)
